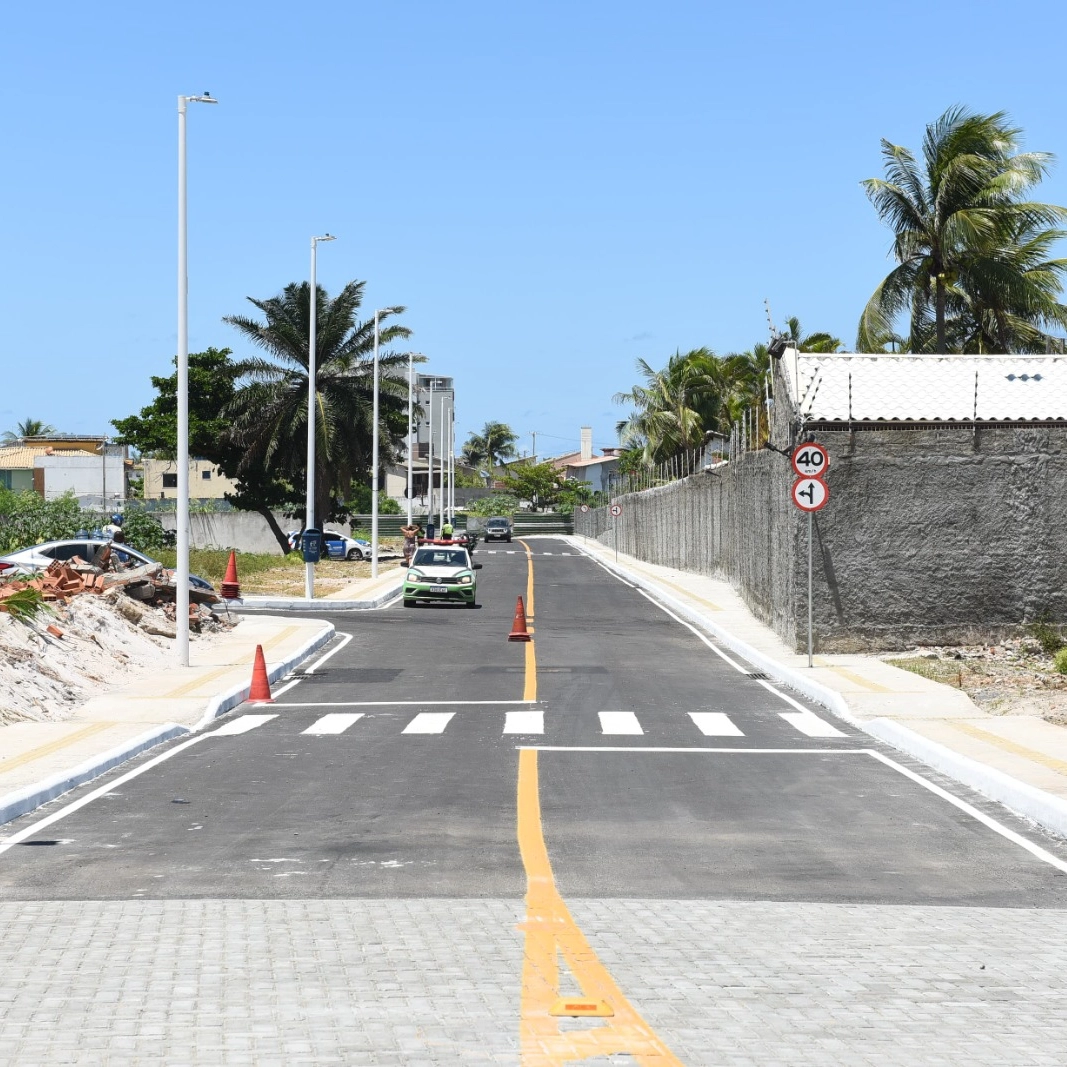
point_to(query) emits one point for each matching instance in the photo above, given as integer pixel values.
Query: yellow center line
(529, 580)
(55, 746)
(551, 931)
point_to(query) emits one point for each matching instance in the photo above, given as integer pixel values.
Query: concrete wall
(931, 536)
(83, 476)
(246, 531)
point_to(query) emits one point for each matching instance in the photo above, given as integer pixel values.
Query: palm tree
(676, 406)
(270, 409)
(971, 252)
(496, 442)
(28, 428)
(813, 342)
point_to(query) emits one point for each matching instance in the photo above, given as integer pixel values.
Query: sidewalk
(42, 760)
(1018, 760)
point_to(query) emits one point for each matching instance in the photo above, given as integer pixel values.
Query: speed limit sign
(810, 460)
(810, 494)
(616, 510)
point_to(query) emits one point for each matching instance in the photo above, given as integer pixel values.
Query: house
(583, 466)
(206, 481)
(93, 470)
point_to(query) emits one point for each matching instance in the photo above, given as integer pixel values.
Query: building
(95, 471)
(206, 481)
(583, 466)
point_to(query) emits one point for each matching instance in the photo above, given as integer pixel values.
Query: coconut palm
(812, 342)
(270, 409)
(971, 252)
(28, 428)
(495, 443)
(675, 407)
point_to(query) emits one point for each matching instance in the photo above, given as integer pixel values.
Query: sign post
(616, 511)
(810, 494)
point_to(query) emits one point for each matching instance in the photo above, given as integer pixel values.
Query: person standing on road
(447, 530)
(411, 534)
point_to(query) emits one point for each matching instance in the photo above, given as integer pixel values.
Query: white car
(337, 545)
(38, 557)
(441, 572)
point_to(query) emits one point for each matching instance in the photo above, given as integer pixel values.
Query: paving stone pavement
(437, 982)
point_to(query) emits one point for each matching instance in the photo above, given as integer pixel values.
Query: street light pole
(374, 458)
(313, 329)
(429, 463)
(181, 579)
(411, 434)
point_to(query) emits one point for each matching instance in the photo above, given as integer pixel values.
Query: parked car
(497, 528)
(440, 573)
(37, 557)
(337, 545)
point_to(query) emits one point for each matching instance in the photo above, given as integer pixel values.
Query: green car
(442, 573)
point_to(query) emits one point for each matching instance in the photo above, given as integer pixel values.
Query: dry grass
(330, 577)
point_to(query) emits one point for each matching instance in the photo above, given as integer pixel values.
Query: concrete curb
(229, 700)
(1043, 808)
(29, 797)
(24, 800)
(299, 604)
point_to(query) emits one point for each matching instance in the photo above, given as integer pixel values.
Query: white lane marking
(404, 703)
(429, 722)
(715, 724)
(241, 725)
(333, 723)
(524, 722)
(716, 751)
(589, 556)
(103, 791)
(810, 724)
(619, 722)
(692, 629)
(985, 820)
(345, 638)
(285, 688)
(788, 699)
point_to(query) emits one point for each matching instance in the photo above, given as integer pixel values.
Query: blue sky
(552, 189)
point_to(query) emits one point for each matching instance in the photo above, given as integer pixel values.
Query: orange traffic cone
(230, 589)
(260, 691)
(518, 627)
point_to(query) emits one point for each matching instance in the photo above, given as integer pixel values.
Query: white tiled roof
(887, 388)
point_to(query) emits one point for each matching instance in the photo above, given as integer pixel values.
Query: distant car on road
(442, 573)
(497, 528)
(36, 558)
(337, 545)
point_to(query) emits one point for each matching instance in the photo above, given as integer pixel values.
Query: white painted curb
(1043, 808)
(26, 799)
(255, 603)
(33, 796)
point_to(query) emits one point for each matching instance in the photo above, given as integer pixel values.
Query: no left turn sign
(810, 460)
(810, 494)
(616, 510)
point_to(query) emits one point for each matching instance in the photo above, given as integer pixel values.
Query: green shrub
(1046, 633)
(498, 504)
(1061, 661)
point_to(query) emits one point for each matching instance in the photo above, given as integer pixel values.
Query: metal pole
(411, 444)
(429, 462)
(374, 464)
(809, 589)
(181, 609)
(313, 326)
(103, 477)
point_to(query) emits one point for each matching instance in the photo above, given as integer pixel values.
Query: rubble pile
(100, 625)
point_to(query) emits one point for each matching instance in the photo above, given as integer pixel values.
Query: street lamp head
(324, 237)
(207, 98)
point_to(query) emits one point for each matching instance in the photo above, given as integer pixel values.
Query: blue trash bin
(311, 545)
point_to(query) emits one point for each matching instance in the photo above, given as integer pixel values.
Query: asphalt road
(760, 808)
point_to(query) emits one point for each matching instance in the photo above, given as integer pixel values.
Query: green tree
(494, 444)
(537, 482)
(812, 342)
(675, 407)
(270, 409)
(28, 428)
(973, 268)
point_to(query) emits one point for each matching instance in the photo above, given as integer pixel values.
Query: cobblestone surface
(437, 982)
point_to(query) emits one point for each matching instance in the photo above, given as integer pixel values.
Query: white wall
(83, 475)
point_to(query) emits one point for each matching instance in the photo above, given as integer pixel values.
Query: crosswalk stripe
(241, 725)
(715, 724)
(619, 722)
(524, 722)
(334, 723)
(429, 722)
(810, 724)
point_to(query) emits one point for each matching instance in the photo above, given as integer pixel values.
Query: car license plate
(438, 589)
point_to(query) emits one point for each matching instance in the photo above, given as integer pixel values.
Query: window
(206, 475)
(170, 481)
